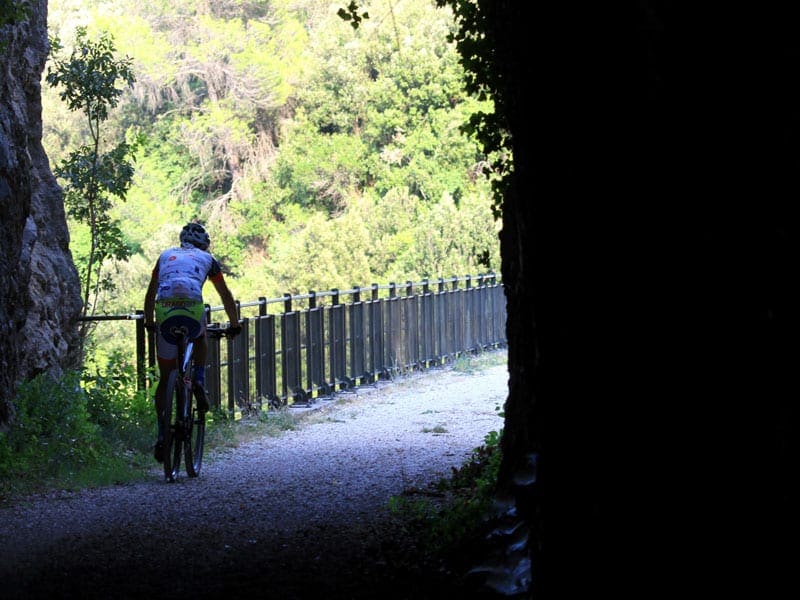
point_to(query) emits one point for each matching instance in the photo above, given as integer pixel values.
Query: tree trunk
(39, 286)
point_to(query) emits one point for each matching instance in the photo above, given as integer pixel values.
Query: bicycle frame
(185, 352)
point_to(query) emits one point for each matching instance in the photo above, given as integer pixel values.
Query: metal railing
(320, 343)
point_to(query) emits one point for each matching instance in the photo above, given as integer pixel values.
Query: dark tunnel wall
(649, 250)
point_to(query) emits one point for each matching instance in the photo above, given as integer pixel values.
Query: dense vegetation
(317, 154)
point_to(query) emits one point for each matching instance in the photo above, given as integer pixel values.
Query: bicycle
(184, 422)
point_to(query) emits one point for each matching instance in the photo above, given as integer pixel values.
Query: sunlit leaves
(89, 77)
(91, 81)
(272, 121)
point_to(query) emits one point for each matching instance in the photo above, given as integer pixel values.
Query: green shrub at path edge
(55, 440)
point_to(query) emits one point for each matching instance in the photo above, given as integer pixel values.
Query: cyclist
(174, 302)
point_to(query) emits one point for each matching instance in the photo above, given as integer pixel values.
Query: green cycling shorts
(180, 316)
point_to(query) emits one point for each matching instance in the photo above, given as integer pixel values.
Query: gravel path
(294, 516)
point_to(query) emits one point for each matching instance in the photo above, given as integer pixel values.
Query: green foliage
(123, 414)
(444, 525)
(318, 155)
(98, 429)
(52, 433)
(88, 181)
(483, 80)
(479, 474)
(68, 433)
(335, 247)
(320, 170)
(91, 177)
(88, 78)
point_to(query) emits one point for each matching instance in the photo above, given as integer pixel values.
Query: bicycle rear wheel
(195, 439)
(173, 443)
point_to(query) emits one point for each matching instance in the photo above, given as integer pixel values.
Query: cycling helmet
(195, 234)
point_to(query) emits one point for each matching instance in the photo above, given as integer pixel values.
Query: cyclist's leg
(166, 353)
(199, 375)
(200, 349)
(165, 366)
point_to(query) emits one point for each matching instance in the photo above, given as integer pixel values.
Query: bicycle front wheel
(173, 444)
(195, 438)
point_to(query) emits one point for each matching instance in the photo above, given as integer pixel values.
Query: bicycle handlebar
(229, 331)
(217, 332)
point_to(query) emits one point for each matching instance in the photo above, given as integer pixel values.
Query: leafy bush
(124, 414)
(52, 432)
(446, 523)
(76, 431)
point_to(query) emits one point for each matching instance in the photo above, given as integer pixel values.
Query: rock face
(39, 285)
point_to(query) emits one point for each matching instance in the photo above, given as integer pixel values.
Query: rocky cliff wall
(39, 286)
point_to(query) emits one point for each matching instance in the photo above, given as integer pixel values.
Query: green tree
(271, 122)
(92, 175)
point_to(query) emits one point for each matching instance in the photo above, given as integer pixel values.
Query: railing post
(425, 325)
(338, 348)
(141, 377)
(315, 348)
(151, 348)
(469, 329)
(376, 365)
(358, 341)
(214, 372)
(238, 357)
(481, 312)
(440, 319)
(291, 354)
(459, 318)
(412, 327)
(230, 353)
(390, 349)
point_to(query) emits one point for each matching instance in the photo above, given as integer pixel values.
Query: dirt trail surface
(295, 516)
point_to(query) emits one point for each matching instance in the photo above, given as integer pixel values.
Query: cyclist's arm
(227, 298)
(150, 298)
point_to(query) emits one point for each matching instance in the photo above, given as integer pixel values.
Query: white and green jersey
(182, 271)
